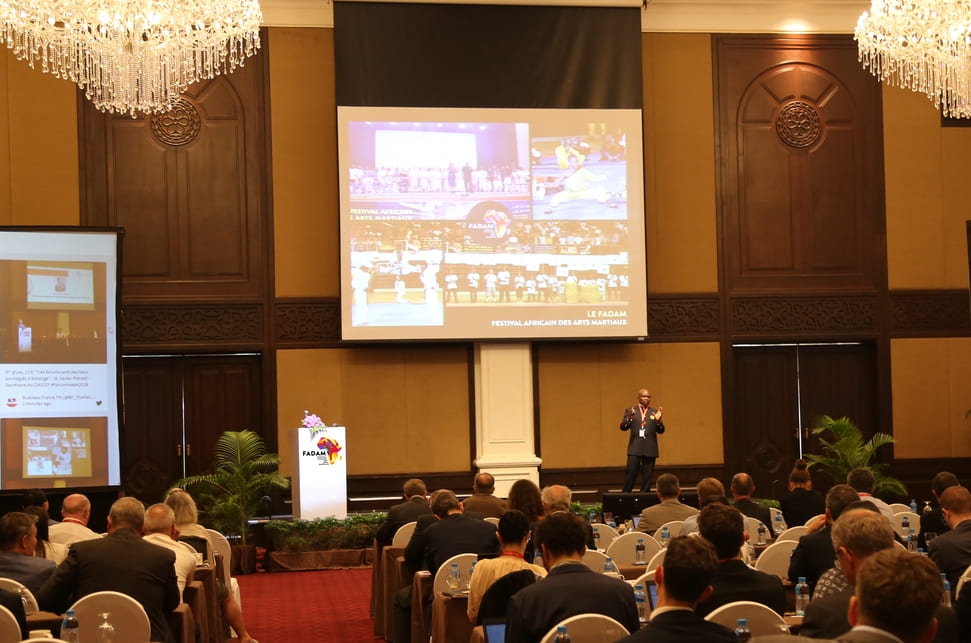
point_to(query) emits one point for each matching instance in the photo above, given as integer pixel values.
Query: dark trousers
(642, 463)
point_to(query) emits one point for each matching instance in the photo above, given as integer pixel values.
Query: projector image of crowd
(451, 179)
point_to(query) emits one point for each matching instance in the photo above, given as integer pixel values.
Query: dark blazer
(486, 504)
(932, 520)
(569, 589)
(756, 510)
(11, 600)
(812, 556)
(683, 626)
(951, 552)
(801, 505)
(636, 445)
(30, 571)
(121, 562)
(435, 541)
(736, 581)
(411, 509)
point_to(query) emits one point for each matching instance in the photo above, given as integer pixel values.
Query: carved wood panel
(151, 327)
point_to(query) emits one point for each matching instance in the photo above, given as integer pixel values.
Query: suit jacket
(952, 552)
(667, 510)
(30, 571)
(11, 600)
(569, 589)
(756, 510)
(411, 509)
(736, 581)
(801, 505)
(435, 541)
(636, 445)
(932, 520)
(486, 504)
(683, 626)
(853, 636)
(121, 562)
(812, 556)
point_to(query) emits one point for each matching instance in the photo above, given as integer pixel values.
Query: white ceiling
(708, 16)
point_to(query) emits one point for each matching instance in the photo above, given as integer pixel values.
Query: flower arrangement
(314, 423)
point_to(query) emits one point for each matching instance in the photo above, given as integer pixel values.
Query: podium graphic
(320, 485)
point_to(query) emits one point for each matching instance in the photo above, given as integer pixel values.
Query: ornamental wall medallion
(178, 126)
(798, 124)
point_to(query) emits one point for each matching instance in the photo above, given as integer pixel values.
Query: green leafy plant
(243, 474)
(354, 532)
(844, 449)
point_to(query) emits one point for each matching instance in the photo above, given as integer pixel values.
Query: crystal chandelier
(921, 45)
(132, 56)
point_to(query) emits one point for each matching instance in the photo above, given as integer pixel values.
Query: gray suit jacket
(30, 571)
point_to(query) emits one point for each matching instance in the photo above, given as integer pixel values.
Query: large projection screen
(59, 370)
(491, 224)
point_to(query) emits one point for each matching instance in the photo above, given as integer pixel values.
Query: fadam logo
(329, 451)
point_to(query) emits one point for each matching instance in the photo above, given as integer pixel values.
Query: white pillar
(504, 443)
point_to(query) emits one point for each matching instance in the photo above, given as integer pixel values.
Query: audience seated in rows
(45, 548)
(802, 502)
(556, 500)
(37, 498)
(742, 488)
(187, 522)
(526, 497)
(414, 507)
(76, 510)
(862, 480)
(951, 551)
(18, 541)
(670, 508)
(482, 500)
(933, 521)
(814, 555)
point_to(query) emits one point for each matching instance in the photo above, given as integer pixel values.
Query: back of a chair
(897, 507)
(912, 520)
(220, 545)
(198, 543)
(762, 621)
(752, 528)
(817, 516)
(793, 533)
(594, 560)
(777, 519)
(965, 577)
(775, 559)
(495, 601)
(492, 519)
(403, 535)
(606, 532)
(589, 628)
(126, 615)
(464, 561)
(9, 627)
(624, 548)
(656, 561)
(30, 605)
(674, 529)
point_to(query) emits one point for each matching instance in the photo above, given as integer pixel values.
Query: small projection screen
(59, 368)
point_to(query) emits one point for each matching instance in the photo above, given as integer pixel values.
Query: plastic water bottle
(741, 630)
(762, 531)
(947, 591)
(665, 536)
(912, 542)
(802, 596)
(471, 571)
(454, 579)
(593, 517)
(538, 558)
(69, 627)
(913, 505)
(561, 635)
(609, 566)
(640, 597)
(640, 552)
(778, 525)
(596, 539)
(905, 523)
(920, 550)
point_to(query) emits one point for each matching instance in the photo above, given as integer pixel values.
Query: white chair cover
(762, 621)
(607, 534)
(752, 529)
(220, 545)
(674, 528)
(898, 523)
(774, 511)
(440, 585)
(809, 522)
(589, 628)
(127, 616)
(775, 559)
(964, 578)
(11, 585)
(793, 533)
(9, 627)
(492, 519)
(897, 507)
(656, 561)
(624, 548)
(403, 535)
(594, 560)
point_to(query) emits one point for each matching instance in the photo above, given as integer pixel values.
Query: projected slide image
(574, 183)
(56, 452)
(60, 285)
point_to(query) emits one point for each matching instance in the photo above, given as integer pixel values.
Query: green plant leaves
(844, 449)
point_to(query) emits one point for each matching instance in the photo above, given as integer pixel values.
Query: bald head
(742, 485)
(484, 483)
(159, 519)
(77, 507)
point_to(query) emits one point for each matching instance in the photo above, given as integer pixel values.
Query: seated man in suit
(815, 554)
(951, 551)
(683, 580)
(933, 521)
(414, 507)
(18, 539)
(482, 500)
(742, 489)
(670, 508)
(858, 534)
(723, 527)
(570, 588)
(120, 562)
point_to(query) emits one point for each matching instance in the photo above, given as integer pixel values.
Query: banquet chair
(127, 616)
(606, 532)
(775, 511)
(898, 523)
(495, 600)
(775, 559)
(674, 528)
(965, 576)
(752, 529)
(403, 535)
(440, 583)
(793, 533)
(810, 521)
(897, 507)
(9, 627)
(220, 545)
(762, 621)
(624, 548)
(594, 560)
(656, 561)
(492, 519)
(589, 628)
(30, 602)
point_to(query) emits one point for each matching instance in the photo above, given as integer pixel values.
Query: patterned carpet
(289, 607)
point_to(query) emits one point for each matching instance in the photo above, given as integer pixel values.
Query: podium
(319, 484)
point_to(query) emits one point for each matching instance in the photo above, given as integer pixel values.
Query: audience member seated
(45, 548)
(11, 600)
(76, 511)
(880, 612)
(570, 588)
(37, 498)
(803, 502)
(414, 507)
(742, 488)
(707, 488)
(556, 500)
(951, 551)
(120, 562)
(187, 522)
(683, 580)
(482, 500)
(814, 554)
(863, 481)
(513, 535)
(723, 527)
(670, 508)
(858, 534)
(933, 521)
(526, 497)
(18, 540)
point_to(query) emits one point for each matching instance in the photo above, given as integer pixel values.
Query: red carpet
(289, 607)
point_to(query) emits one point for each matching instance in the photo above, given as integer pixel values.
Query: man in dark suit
(120, 562)
(644, 423)
(570, 588)
(723, 527)
(482, 499)
(18, 538)
(683, 580)
(414, 507)
(932, 521)
(951, 551)
(742, 489)
(859, 534)
(815, 554)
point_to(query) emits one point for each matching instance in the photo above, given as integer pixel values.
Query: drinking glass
(929, 536)
(106, 631)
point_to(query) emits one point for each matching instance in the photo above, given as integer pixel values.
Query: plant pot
(279, 561)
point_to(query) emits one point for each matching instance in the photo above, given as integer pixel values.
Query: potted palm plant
(844, 449)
